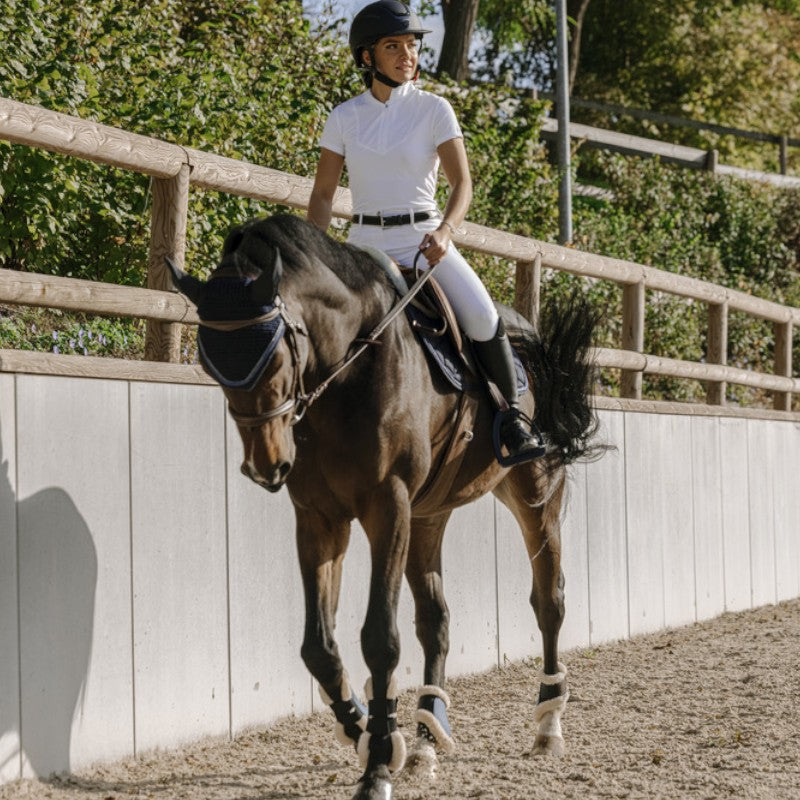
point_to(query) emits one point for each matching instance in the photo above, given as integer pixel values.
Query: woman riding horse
(334, 398)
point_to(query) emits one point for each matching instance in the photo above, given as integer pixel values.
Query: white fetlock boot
(549, 740)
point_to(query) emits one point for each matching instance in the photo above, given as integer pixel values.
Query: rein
(300, 401)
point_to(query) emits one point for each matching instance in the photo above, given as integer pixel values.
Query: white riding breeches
(469, 298)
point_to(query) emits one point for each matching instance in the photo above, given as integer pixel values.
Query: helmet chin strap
(379, 76)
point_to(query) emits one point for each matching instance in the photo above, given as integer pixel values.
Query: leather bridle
(299, 401)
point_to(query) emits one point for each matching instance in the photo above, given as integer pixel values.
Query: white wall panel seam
(496, 583)
(627, 526)
(773, 490)
(694, 514)
(227, 567)
(749, 513)
(720, 433)
(19, 573)
(588, 549)
(130, 556)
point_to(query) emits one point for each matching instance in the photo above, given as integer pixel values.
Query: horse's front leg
(536, 503)
(321, 545)
(432, 618)
(382, 749)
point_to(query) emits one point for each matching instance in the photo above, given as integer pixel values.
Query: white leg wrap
(443, 739)
(547, 713)
(422, 761)
(552, 680)
(398, 751)
(398, 758)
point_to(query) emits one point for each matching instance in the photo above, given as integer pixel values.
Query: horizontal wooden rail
(71, 136)
(691, 157)
(58, 132)
(93, 297)
(671, 367)
(671, 119)
(76, 137)
(519, 248)
(30, 363)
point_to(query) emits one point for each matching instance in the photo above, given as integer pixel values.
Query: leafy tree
(459, 23)
(731, 62)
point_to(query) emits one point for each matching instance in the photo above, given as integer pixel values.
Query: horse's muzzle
(272, 482)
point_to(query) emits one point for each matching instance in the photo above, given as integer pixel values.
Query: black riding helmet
(373, 22)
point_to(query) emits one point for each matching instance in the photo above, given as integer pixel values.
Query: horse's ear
(186, 284)
(265, 287)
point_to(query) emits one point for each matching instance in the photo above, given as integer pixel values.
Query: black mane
(297, 240)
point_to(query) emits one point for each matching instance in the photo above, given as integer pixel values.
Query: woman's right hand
(434, 245)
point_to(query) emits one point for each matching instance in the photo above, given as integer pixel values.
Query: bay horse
(283, 317)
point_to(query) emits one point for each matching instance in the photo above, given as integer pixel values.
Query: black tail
(557, 357)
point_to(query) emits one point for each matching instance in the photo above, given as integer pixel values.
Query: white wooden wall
(150, 595)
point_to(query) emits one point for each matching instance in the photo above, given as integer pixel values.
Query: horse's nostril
(283, 469)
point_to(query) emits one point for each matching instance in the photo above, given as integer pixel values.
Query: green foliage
(250, 80)
(735, 233)
(734, 63)
(243, 79)
(514, 188)
(518, 41)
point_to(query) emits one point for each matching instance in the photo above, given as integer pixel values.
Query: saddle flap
(433, 303)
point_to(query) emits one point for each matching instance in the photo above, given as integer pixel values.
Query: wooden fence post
(717, 350)
(782, 401)
(784, 153)
(167, 238)
(632, 336)
(527, 288)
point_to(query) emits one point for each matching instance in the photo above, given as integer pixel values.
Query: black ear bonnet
(237, 358)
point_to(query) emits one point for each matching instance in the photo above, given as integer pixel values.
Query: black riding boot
(498, 364)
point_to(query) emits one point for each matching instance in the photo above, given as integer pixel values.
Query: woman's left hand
(434, 245)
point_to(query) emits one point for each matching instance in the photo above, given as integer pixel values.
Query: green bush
(735, 233)
(250, 80)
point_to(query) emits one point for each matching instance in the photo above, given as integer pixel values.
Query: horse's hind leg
(424, 574)
(321, 545)
(535, 501)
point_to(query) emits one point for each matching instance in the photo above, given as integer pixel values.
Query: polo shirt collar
(404, 90)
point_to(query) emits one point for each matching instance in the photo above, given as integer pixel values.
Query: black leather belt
(394, 219)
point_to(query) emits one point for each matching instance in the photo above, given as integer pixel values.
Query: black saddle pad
(447, 358)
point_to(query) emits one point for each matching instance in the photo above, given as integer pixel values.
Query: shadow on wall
(57, 577)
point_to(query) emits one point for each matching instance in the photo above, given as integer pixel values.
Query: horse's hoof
(422, 761)
(545, 745)
(375, 784)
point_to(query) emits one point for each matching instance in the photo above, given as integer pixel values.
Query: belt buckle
(380, 216)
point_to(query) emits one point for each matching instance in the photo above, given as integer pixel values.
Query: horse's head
(252, 347)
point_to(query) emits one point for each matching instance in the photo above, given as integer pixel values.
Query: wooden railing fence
(682, 155)
(174, 169)
(701, 159)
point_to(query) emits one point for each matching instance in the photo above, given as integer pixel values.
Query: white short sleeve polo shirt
(390, 148)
